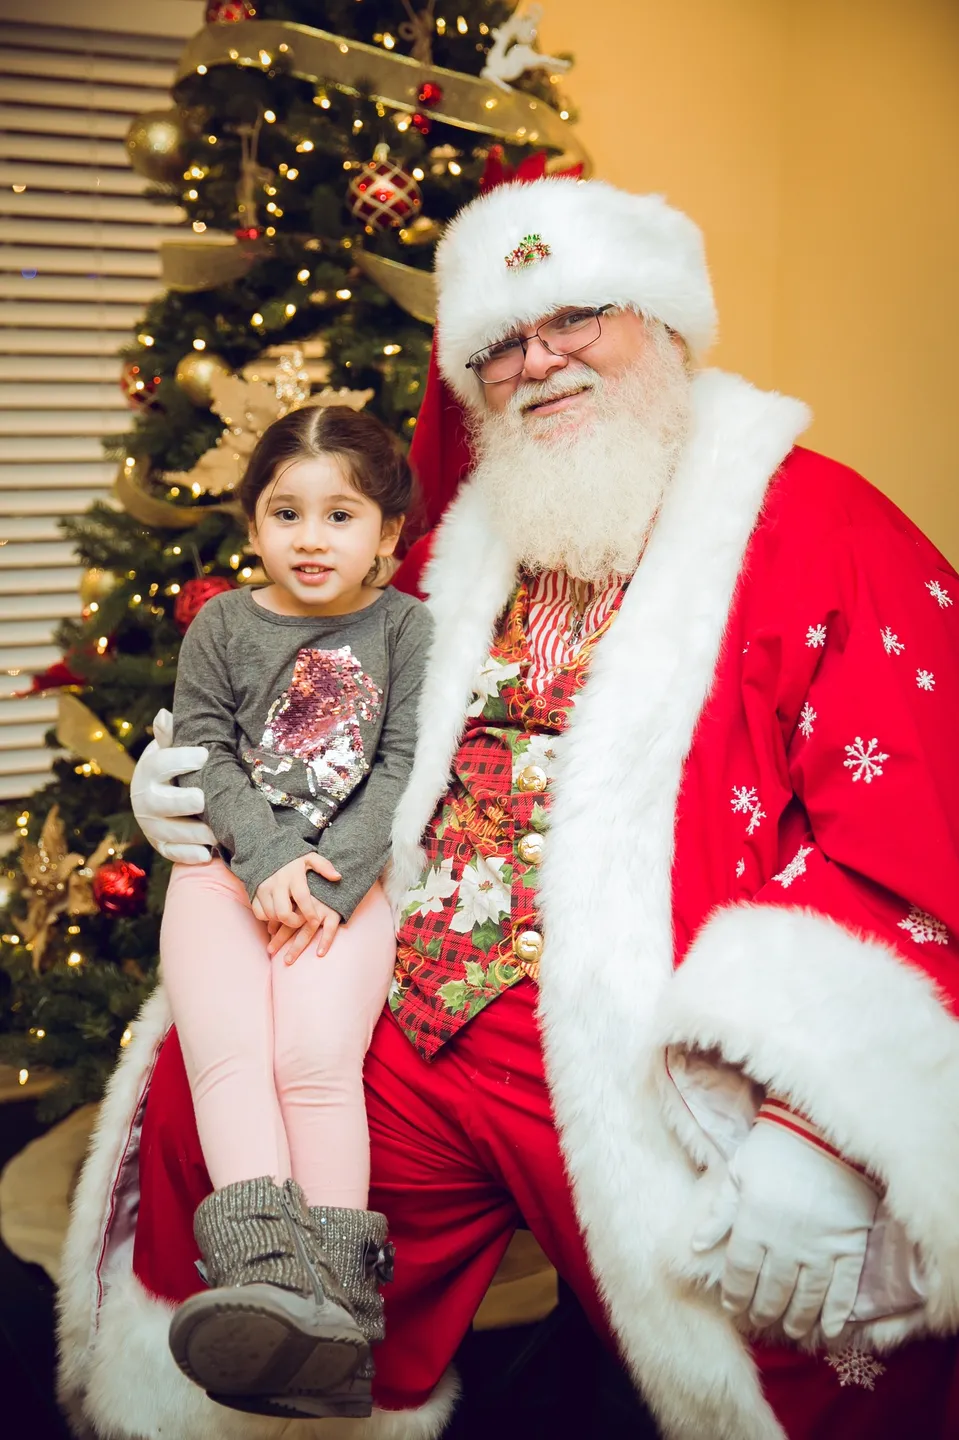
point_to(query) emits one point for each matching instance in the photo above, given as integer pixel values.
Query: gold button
(533, 779)
(528, 946)
(530, 848)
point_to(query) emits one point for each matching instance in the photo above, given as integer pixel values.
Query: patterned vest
(469, 928)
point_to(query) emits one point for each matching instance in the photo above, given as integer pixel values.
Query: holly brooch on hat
(530, 250)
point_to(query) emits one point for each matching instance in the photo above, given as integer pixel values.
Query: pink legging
(274, 1052)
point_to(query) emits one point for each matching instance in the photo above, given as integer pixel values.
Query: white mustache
(555, 387)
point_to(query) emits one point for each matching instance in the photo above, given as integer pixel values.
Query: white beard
(580, 493)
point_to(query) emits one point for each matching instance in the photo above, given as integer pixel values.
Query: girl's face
(318, 538)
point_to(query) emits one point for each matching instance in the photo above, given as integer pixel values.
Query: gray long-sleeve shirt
(310, 723)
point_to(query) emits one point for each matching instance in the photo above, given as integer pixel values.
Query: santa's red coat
(751, 880)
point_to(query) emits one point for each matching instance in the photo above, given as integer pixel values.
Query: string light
(292, 173)
(125, 1038)
(135, 600)
(403, 124)
(145, 340)
(440, 25)
(197, 488)
(344, 294)
(564, 114)
(201, 69)
(392, 349)
(388, 41)
(269, 117)
(10, 939)
(304, 147)
(174, 491)
(418, 174)
(23, 1077)
(234, 561)
(93, 607)
(289, 310)
(357, 125)
(18, 189)
(74, 958)
(199, 344)
(173, 589)
(246, 572)
(302, 276)
(192, 195)
(322, 100)
(41, 1034)
(256, 319)
(270, 230)
(23, 817)
(461, 24)
(129, 462)
(266, 59)
(73, 929)
(102, 644)
(454, 168)
(199, 227)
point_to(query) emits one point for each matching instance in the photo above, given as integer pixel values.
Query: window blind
(79, 260)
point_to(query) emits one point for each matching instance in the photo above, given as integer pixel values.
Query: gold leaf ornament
(54, 887)
(248, 408)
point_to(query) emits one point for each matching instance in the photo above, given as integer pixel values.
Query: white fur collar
(605, 887)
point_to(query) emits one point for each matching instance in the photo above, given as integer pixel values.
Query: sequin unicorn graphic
(316, 720)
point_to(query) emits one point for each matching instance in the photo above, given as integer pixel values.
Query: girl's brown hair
(371, 455)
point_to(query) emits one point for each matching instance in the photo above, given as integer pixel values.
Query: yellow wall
(816, 143)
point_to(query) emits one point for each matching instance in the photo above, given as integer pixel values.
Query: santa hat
(522, 250)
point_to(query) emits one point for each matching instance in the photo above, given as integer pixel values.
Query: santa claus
(677, 886)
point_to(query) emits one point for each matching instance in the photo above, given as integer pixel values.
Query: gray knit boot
(362, 1257)
(275, 1322)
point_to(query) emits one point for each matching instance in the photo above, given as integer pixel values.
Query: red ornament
(138, 385)
(430, 94)
(120, 889)
(252, 232)
(228, 12)
(384, 194)
(421, 122)
(194, 595)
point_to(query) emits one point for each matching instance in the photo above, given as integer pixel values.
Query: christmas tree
(318, 149)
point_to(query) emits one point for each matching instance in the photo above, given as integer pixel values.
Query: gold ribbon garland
(83, 733)
(468, 102)
(129, 490)
(413, 290)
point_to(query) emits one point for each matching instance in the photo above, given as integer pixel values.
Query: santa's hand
(797, 1221)
(159, 805)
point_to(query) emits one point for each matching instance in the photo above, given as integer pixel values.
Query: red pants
(462, 1148)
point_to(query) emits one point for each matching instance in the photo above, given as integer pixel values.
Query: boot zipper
(301, 1250)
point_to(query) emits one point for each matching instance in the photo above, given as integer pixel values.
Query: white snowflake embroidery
(795, 868)
(816, 636)
(925, 680)
(865, 761)
(894, 646)
(923, 927)
(806, 718)
(740, 868)
(754, 820)
(856, 1367)
(744, 799)
(942, 597)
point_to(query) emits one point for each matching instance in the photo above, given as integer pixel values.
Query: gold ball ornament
(196, 372)
(95, 586)
(157, 143)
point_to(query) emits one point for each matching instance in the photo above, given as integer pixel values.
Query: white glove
(798, 1221)
(157, 802)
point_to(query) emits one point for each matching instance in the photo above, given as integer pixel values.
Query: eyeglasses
(562, 335)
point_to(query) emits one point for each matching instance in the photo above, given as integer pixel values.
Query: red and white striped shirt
(563, 613)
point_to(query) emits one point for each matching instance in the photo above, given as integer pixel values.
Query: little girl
(304, 692)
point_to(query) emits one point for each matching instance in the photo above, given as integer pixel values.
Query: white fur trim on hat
(605, 247)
